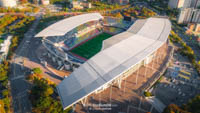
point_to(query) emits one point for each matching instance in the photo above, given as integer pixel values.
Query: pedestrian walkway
(157, 104)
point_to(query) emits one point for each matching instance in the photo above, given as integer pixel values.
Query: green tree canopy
(172, 108)
(193, 105)
(2, 110)
(37, 70)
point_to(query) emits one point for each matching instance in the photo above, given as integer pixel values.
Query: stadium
(103, 51)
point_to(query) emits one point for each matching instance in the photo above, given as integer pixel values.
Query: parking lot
(180, 82)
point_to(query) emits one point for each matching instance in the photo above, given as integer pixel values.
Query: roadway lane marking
(18, 77)
(21, 95)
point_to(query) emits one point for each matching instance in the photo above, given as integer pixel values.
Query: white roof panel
(120, 52)
(117, 57)
(79, 84)
(154, 33)
(62, 27)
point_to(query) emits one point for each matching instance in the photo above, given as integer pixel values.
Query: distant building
(45, 2)
(80, 4)
(176, 3)
(184, 4)
(181, 3)
(196, 16)
(188, 15)
(120, 2)
(8, 3)
(185, 16)
(195, 3)
(198, 40)
(4, 48)
(193, 28)
(187, 3)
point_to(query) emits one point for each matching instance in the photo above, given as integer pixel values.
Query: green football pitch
(91, 47)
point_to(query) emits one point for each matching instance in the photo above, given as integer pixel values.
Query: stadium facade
(121, 55)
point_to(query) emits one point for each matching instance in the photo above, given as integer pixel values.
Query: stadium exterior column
(164, 49)
(73, 108)
(157, 59)
(137, 74)
(86, 100)
(119, 82)
(110, 93)
(125, 84)
(166, 45)
(167, 48)
(145, 70)
(160, 58)
(100, 98)
(83, 101)
(152, 62)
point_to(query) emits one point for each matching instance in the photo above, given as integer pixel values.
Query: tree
(2, 110)
(44, 102)
(193, 105)
(37, 70)
(118, 15)
(6, 103)
(5, 93)
(172, 108)
(48, 91)
(3, 71)
(42, 99)
(14, 42)
(147, 94)
(199, 62)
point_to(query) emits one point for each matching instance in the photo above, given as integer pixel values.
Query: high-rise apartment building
(80, 4)
(195, 3)
(188, 15)
(184, 15)
(196, 16)
(193, 28)
(184, 4)
(187, 3)
(176, 3)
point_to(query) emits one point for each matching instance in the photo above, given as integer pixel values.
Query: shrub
(2, 110)
(37, 71)
(5, 93)
(147, 94)
(172, 108)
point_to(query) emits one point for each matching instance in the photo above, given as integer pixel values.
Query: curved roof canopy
(119, 53)
(62, 27)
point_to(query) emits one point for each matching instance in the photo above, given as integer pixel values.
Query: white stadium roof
(119, 53)
(62, 27)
